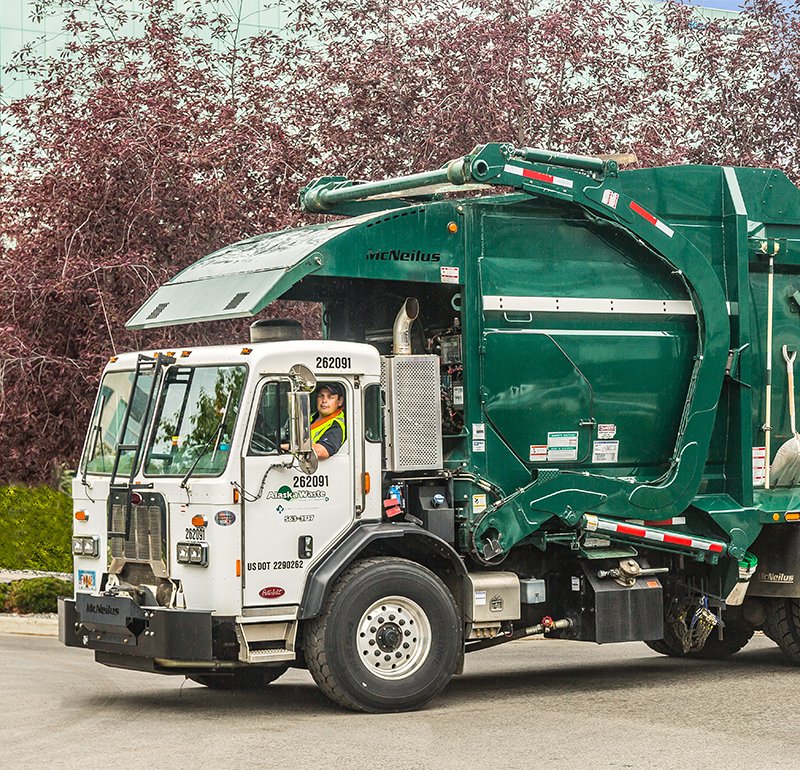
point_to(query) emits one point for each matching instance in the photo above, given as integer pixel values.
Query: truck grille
(146, 540)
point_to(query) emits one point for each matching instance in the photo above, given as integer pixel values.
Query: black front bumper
(116, 624)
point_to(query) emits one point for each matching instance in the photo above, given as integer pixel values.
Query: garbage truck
(565, 406)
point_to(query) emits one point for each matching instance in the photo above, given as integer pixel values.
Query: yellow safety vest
(320, 426)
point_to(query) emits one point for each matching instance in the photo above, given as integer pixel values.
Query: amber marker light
(367, 483)
(199, 521)
(247, 351)
(452, 227)
(186, 353)
(113, 359)
(776, 517)
(238, 568)
(81, 516)
(792, 516)
(235, 495)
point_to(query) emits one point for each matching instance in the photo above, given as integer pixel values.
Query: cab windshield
(109, 412)
(194, 423)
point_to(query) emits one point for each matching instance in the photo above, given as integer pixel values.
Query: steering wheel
(262, 442)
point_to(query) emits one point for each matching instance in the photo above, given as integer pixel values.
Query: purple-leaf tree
(156, 137)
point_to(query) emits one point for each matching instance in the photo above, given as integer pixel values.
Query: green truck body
(613, 389)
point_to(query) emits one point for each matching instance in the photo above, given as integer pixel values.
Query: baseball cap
(333, 387)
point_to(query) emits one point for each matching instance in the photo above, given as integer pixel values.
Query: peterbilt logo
(102, 609)
(271, 592)
(775, 577)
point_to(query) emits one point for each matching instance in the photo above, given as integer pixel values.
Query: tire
(241, 678)
(736, 634)
(783, 626)
(662, 647)
(400, 617)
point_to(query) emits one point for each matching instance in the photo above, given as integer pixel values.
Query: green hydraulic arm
(593, 184)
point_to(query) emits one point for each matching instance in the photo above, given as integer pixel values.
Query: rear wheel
(241, 678)
(736, 633)
(388, 639)
(663, 647)
(783, 626)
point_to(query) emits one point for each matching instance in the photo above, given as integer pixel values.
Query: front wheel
(388, 639)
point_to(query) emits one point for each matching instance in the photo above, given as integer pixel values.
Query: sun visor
(238, 280)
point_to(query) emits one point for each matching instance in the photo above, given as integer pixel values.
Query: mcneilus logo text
(395, 255)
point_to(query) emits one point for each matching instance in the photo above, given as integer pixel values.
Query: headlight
(86, 545)
(193, 553)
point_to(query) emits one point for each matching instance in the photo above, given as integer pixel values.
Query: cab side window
(271, 428)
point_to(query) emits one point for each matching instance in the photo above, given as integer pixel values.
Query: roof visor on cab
(238, 280)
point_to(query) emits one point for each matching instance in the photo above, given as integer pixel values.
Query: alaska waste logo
(289, 495)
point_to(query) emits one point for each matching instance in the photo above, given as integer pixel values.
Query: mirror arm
(252, 498)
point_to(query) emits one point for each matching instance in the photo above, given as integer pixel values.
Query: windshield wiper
(97, 429)
(213, 438)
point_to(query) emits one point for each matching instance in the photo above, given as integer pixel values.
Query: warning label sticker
(562, 446)
(610, 198)
(449, 274)
(538, 453)
(478, 503)
(605, 451)
(759, 466)
(606, 430)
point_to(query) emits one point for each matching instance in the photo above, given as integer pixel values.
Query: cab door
(289, 514)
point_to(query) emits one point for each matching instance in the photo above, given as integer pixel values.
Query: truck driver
(327, 423)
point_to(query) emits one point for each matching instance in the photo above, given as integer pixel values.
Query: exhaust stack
(401, 333)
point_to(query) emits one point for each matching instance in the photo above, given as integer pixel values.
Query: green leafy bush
(35, 529)
(5, 589)
(37, 594)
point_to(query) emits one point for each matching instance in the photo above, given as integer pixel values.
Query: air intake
(413, 412)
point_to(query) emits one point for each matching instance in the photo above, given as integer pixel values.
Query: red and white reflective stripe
(537, 175)
(663, 523)
(596, 524)
(635, 207)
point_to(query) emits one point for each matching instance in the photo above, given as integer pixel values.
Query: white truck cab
(222, 517)
(210, 540)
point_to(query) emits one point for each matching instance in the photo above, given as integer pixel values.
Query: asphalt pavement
(525, 704)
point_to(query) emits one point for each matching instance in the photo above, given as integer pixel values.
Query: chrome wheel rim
(393, 637)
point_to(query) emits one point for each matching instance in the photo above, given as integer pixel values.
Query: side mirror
(300, 444)
(303, 378)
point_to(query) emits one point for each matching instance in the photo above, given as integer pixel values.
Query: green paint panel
(634, 383)
(553, 251)
(531, 388)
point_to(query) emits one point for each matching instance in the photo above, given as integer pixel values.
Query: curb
(29, 625)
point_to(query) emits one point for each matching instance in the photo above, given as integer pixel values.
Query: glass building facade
(18, 28)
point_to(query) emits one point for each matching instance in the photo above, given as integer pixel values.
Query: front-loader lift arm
(593, 184)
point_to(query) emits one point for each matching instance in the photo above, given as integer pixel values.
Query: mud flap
(778, 552)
